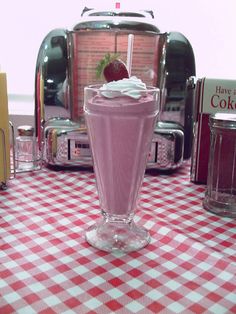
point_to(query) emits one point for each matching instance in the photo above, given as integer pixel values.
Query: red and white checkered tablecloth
(46, 266)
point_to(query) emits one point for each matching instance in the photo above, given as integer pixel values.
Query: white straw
(130, 53)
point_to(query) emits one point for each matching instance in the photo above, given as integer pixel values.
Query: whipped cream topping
(132, 87)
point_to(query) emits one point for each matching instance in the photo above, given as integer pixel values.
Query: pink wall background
(209, 25)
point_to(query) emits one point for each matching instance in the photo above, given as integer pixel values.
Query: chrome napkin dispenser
(67, 61)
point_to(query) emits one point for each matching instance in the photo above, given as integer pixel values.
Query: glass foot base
(113, 236)
(223, 207)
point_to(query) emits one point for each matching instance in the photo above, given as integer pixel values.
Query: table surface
(46, 266)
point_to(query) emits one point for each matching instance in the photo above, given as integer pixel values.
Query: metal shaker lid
(223, 120)
(25, 130)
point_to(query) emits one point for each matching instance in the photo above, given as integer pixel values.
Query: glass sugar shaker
(220, 197)
(27, 156)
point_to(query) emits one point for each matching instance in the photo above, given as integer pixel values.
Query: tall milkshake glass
(120, 128)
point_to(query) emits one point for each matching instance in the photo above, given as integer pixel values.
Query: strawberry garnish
(112, 68)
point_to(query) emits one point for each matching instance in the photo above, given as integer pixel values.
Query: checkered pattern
(46, 266)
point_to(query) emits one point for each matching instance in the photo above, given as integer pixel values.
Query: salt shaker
(26, 152)
(220, 197)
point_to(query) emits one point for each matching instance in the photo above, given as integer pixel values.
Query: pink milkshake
(120, 122)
